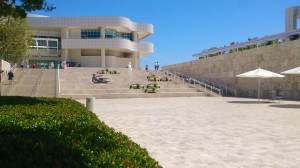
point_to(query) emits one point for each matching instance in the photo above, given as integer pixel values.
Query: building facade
(106, 42)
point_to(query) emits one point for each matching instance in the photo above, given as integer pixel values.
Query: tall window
(52, 44)
(90, 33)
(110, 33)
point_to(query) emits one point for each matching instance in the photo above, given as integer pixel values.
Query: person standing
(157, 66)
(129, 66)
(10, 76)
(146, 68)
(22, 65)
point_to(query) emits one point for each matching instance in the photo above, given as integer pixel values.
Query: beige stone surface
(223, 69)
(209, 131)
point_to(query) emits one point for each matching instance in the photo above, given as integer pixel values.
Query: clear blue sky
(186, 27)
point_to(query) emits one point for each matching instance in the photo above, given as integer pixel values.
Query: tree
(15, 39)
(19, 8)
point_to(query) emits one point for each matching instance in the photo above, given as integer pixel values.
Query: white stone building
(106, 42)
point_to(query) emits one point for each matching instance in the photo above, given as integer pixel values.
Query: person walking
(10, 76)
(157, 66)
(22, 65)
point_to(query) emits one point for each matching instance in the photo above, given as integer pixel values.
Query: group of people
(156, 67)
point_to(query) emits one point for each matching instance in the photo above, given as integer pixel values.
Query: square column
(103, 58)
(102, 29)
(66, 54)
(135, 60)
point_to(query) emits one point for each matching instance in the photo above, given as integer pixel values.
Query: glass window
(42, 43)
(110, 33)
(52, 44)
(90, 33)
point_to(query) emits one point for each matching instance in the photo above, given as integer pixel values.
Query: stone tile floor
(209, 131)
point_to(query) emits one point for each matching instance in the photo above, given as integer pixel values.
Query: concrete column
(135, 60)
(65, 33)
(138, 61)
(103, 58)
(135, 37)
(102, 29)
(291, 15)
(66, 55)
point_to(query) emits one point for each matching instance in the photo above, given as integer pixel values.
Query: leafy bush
(151, 76)
(136, 86)
(165, 79)
(294, 37)
(113, 71)
(152, 88)
(50, 132)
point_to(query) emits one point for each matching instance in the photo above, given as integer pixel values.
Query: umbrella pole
(258, 88)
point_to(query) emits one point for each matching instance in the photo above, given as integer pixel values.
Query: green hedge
(50, 132)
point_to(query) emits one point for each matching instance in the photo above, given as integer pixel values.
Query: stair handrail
(11, 84)
(37, 84)
(58, 81)
(204, 87)
(224, 89)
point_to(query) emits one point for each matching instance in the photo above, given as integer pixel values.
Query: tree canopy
(19, 8)
(15, 38)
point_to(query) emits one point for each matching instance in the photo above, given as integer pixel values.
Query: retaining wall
(224, 68)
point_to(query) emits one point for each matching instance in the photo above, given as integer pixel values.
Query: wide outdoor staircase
(47, 85)
(26, 84)
(76, 83)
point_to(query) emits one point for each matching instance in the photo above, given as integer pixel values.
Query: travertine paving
(209, 131)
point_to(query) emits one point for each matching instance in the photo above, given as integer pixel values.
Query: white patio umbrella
(293, 71)
(259, 73)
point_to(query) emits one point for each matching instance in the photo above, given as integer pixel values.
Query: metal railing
(257, 41)
(190, 81)
(37, 84)
(58, 81)
(11, 84)
(225, 90)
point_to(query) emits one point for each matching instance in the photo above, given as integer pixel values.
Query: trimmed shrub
(102, 71)
(113, 72)
(136, 86)
(165, 79)
(51, 132)
(151, 76)
(152, 88)
(153, 79)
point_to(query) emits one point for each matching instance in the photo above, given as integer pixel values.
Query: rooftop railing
(280, 36)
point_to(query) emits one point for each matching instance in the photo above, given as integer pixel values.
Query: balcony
(121, 44)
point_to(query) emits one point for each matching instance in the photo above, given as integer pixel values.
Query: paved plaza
(209, 131)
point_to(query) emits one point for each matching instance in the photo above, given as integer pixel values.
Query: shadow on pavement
(250, 102)
(286, 105)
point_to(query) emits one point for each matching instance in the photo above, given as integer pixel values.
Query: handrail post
(57, 82)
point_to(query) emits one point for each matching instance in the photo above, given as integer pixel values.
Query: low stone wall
(224, 68)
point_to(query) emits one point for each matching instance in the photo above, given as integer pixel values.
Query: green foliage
(151, 76)
(15, 39)
(113, 72)
(165, 79)
(294, 37)
(105, 71)
(152, 88)
(50, 132)
(136, 86)
(21, 7)
(102, 71)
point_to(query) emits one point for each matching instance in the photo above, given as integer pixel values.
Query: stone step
(136, 95)
(125, 90)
